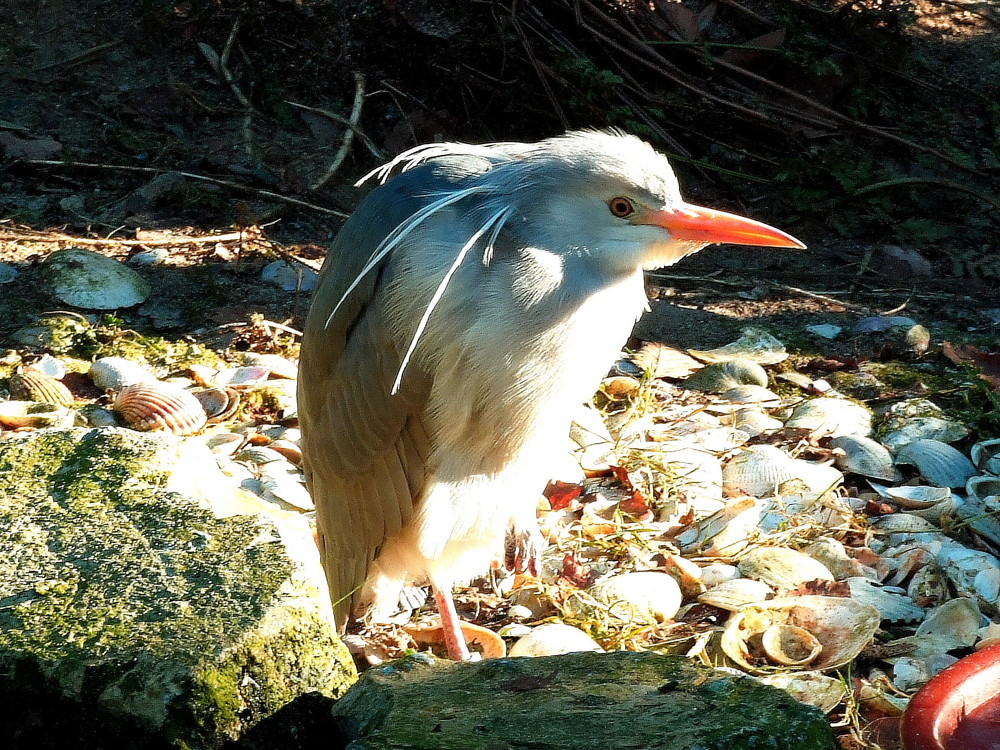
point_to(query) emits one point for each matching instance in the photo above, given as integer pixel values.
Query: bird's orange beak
(700, 224)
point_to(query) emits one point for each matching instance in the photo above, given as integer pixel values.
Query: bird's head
(614, 198)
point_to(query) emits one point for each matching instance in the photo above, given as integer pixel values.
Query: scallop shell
(862, 455)
(734, 595)
(754, 344)
(937, 462)
(760, 470)
(831, 416)
(36, 386)
(115, 373)
(842, 628)
(782, 567)
(553, 638)
(986, 456)
(722, 376)
(18, 414)
(158, 406)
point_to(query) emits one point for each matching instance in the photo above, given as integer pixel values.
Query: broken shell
(17, 414)
(115, 373)
(834, 557)
(974, 573)
(156, 406)
(726, 532)
(984, 489)
(862, 455)
(958, 618)
(754, 422)
(782, 567)
(831, 416)
(554, 638)
(928, 586)
(986, 456)
(620, 387)
(734, 595)
(937, 462)
(278, 366)
(842, 627)
(722, 376)
(754, 344)
(790, 645)
(644, 596)
(892, 605)
(812, 688)
(760, 469)
(660, 361)
(914, 496)
(480, 640)
(243, 378)
(219, 403)
(751, 394)
(36, 386)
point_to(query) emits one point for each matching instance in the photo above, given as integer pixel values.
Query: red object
(959, 709)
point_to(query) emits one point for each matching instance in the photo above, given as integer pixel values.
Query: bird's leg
(523, 548)
(451, 626)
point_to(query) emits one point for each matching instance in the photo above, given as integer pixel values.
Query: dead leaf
(748, 57)
(683, 21)
(561, 494)
(575, 572)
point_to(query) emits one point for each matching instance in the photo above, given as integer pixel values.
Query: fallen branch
(345, 146)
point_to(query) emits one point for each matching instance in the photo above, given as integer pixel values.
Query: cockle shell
(36, 386)
(937, 462)
(862, 455)
(158, 406)
(115, 373)
(721, 376)
(754, 422)
(219, 403)
(751, 394)
(759, 470)
(842, 628)
(831, 416)
(278, 366)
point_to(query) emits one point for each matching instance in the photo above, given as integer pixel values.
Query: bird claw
(523, 549)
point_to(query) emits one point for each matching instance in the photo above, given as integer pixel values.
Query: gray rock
(83, 278)
(132, 613)
(569, 702)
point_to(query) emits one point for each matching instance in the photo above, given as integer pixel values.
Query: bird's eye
(621, 207)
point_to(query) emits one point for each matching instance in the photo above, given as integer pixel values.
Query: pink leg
(454, 639)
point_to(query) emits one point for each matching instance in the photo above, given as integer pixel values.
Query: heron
(473, 300)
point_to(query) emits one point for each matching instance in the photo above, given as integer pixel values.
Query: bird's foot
(523, 549)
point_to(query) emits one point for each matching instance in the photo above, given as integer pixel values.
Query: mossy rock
(582, 701)
(131, 615)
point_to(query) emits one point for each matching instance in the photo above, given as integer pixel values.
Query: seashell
(724, 533)
(973, 573)
(842, 627)
(225, 443)
(481, 641)
(715, 573)
(157, 406)
(514, 630)
(862, 455)
(790, 645)
(288, 449)
(257, 454)
(831, 416)
(48, 365)
(553, 638)
(219, 403)
(620, 387)
(659, 361)
(278, 366)
(796, 505)
(754, 344)
(834, 557)
(937, 462)
(88, 279)
(760, 469)
(36, 386)
(694, 475)
(914, 496)
(721, 376)
(959, 618)
(879, 323)
(92, 415)
(17, 414)
(115, 373)
(904, 523)
(928, 586)
(812, 688)
(751, 394)
(289, 277)
(283, 486)
(755, 422)
(986, 456)
(639, 597)
(280, 432)
(891, 605)
(242, 378)
(734, 595)
(825, 330)
(782, 567)
(924, 428)
(984, 489)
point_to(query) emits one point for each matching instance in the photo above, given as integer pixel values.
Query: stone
(584, 700)
(84, 278)
(137, 613)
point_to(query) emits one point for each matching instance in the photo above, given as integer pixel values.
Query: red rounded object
(959, 709)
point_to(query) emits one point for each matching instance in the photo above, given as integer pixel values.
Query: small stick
(376, 151)
(345, 146)
(160, 242)
(80, 57)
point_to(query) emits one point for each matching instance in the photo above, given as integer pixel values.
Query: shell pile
(769, 533)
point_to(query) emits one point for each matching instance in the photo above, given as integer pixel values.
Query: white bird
(471, 302)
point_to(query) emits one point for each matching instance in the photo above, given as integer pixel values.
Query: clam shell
(984, 489)
(831, 416)
(661, 361)
(284, 486)
(842, 627)
(959, 618)
(721, 376)
(157, 406)
(937, 462)
(751, 394)
(715, 573)
(734, 595)
(755, 422)
(480, 640)
(639, 597)
(986, 456)
(754, 344)
(18, 414)
(553, 638)
(790, 645)
(278, 366)
(726, 532)
(891, 605)
(834, 557)
(36, 386)
(973, 573)
(219, 403)
(782, 567)
(115, 373)
(914, 496)
(812, 688)
(759, 470)
(862, 455)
